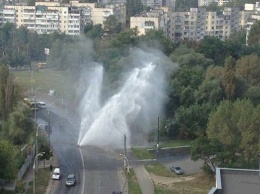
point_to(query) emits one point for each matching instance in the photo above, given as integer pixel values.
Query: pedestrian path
(144, 180)
(143, 177)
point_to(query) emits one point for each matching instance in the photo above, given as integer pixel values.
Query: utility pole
(158, 137)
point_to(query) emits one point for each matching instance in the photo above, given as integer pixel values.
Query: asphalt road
(96, 169)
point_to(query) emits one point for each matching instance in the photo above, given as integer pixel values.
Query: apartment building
(154, 19)
(70, 18)
(197, 23)
(187, 25)
(254, 9)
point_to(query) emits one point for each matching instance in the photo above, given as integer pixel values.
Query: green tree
(133, 7)
(7, 93)
(20, 127)
(156, 39)
(253, 93)
(95, 32)
(235, 130)
(204, 149)
(111, 24)
(248, 67)
(229, 79)
(193, 120)
(8, 168)
(213, 48)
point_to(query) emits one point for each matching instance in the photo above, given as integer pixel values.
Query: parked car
(56, 174)
(71, 180)
(176, 170)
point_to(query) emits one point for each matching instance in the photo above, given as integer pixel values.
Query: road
(96, 169)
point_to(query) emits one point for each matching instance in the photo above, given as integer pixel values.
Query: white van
(41, 104)
(56, 174)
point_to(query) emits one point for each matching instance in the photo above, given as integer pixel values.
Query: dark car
(176, 170)
(117, 192)
(71, 180)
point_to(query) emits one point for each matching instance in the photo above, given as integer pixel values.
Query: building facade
(197, 23)
(49, 17)
(154, 19)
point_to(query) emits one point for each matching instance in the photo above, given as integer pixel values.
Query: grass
(159, 170)
(42, 180)
(6, 192)
(200, 183)
(176, 143)
(133, 186)
(142, 153)
(46, 80)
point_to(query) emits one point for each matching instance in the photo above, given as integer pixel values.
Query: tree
(20, 127)
(213, 48)
(7, 92)
(229, 79)
(254, 33)
(133, 7)
(8, 168)
(192, 121)
(95, 32)
(248, 67)
(111, 24)
(235, 127)
(156, 39)
(206, 150)
(253, 93)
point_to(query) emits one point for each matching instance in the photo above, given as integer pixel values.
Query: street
(96, 169)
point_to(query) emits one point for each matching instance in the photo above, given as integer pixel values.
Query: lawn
(133, 186)
(166, 182)
(43, 177)
(142, 153)
(45, 80)
(176, 143)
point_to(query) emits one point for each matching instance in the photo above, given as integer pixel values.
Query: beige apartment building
(154, 19)
(197, 23)
(49, 17)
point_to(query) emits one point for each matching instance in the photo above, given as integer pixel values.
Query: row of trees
(17, 130)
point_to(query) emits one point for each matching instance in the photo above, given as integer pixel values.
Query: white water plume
(128, 112)
(90, 103)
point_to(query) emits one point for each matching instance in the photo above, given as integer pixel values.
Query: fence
(11, 184)
(27, 163)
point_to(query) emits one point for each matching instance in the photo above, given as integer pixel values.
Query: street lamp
(124, 134)
(126, 162)
(35, 118)
(40, 154)
(158, 137)
(36, 142)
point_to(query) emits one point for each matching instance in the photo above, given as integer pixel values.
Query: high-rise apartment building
(197, 23)
(49, 17)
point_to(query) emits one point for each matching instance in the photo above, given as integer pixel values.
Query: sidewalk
(28, 178)
(143, 178)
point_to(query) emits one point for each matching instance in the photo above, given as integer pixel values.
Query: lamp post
(36, 143)
(35, 102)
(40, 154)
(158, 137)
(124, 134)
(126, 162)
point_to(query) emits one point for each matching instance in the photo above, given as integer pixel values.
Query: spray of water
(129, 112)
